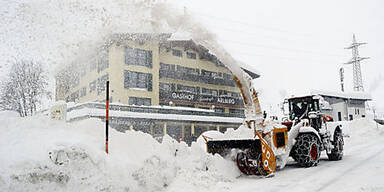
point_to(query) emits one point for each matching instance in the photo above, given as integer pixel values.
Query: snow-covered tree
(24, 88)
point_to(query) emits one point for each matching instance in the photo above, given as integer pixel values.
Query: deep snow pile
(39, 154)
(359, 131)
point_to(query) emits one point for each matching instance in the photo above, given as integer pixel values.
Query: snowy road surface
(362, 169)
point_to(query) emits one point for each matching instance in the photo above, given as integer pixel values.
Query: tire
(338, 150)
(306, 152)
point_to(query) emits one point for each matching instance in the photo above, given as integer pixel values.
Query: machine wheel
(306, 151)
(247, 165)
(241, 161)
(260, 169)
(338, 144)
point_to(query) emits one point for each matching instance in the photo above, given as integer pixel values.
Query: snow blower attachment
(252, 156)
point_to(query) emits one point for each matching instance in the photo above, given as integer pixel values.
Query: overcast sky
(296, 45)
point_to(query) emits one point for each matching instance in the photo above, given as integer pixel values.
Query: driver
(299, 110)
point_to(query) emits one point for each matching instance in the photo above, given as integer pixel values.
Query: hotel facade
(164, 76)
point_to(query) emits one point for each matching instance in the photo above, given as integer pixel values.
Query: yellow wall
(117, 66)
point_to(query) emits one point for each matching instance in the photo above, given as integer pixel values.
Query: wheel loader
(303, 136)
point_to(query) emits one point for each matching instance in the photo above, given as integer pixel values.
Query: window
(158, 130)
(212, 92)
(187, 70)
(229, 94)
(189, 89)
(191, 55)
(138, 57)
(227, 76)
(219, 110)
(103, 61)
(139, 80)
(92, 86)
(83, 92)
(166, 87)
(75, 96)
(199, 130)
(208, 73)
(101, 82)
(139, 101)
(174, 131)
(167, 67)
(177, 53)
(184, 105)
(236, 111)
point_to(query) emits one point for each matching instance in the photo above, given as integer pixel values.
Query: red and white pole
(106, 117)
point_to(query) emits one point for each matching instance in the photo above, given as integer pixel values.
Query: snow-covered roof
(345, 95)
(180, 36)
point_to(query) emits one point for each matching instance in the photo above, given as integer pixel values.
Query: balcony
(150, 109)
(196, 78)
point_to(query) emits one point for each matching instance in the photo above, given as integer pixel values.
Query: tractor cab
(303, 107)
(307, 107)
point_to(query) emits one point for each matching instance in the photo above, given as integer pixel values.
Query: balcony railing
(152, 109)
(196, 78)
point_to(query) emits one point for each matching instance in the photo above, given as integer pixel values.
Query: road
(362, 169)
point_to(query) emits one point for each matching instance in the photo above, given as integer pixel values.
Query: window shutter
(149, 59)
(126, 55)
(126, 79)
(149, 81)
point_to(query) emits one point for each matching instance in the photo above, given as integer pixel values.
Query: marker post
(106, 117)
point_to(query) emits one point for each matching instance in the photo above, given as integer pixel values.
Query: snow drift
(39, 154)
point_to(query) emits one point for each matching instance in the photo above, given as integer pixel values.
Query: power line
(281, 48)
(314, 59)
(247, 23)
(258, 27)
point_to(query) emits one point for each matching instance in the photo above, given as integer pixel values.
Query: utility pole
(355, 61)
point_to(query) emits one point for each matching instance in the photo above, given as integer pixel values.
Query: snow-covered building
(343, 106)
(147, 71)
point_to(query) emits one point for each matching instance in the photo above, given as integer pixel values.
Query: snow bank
(360, 130)
(11, 114)
(39, 154)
